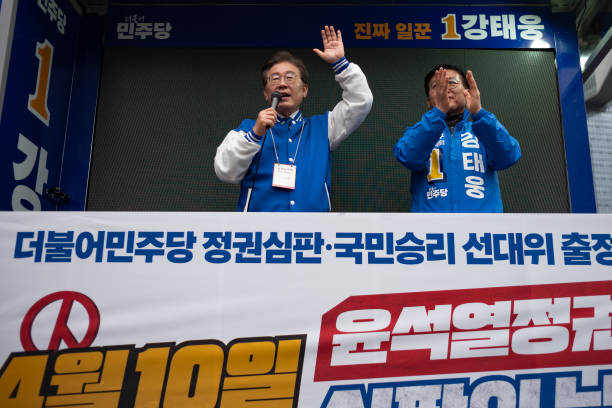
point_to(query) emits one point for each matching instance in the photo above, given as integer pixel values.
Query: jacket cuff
(480, 114)
(252, 137)
(437, 112)
(340, 65)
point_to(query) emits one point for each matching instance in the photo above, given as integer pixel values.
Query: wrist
(340, 65)
(258, 131)
(439, 112)
(443, 110)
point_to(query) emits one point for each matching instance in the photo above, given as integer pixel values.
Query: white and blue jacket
(237, 156)
(456, 172)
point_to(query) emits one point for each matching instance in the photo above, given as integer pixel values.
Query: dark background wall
(162, 113)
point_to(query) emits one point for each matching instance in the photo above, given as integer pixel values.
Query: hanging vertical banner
(37, 96)
(305, 310)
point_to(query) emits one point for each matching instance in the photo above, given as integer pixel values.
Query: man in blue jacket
(456, 149)
(282, 159)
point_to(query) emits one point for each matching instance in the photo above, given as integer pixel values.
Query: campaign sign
(362, 26)
(36, 101)
(305, 310)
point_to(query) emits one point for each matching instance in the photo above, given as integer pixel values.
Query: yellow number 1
(434, 166)
(37, 103)
(451, 28)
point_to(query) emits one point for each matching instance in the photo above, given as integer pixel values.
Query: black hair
(283, 56)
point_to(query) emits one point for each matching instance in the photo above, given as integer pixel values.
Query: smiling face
(284, 77)
(454, 93)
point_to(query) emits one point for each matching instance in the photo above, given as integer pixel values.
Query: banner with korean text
(431, 26)
(305, 310)
(39, 75)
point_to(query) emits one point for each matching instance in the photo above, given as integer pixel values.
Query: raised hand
(472, 95)
(439, 89)
(333, 48)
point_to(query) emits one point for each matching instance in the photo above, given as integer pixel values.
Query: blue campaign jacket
(313, 167)
(237, 155)
(458, 172)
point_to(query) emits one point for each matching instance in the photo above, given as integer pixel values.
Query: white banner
(305, 310)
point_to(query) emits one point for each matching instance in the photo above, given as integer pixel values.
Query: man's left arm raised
(357, 98)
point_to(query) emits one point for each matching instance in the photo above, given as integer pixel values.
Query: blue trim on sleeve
(340, 65)
(252, 137)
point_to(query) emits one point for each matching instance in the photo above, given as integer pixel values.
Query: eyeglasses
(453, 83)
(290, 78)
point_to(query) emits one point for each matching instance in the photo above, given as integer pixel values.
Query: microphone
(275, 98)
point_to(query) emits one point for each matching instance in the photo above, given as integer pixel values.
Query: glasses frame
(292, 79)
(453, 83)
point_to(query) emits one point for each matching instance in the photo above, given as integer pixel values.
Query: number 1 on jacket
(434, 167)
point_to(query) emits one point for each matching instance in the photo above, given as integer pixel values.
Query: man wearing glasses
(456, 149)
(282, 159)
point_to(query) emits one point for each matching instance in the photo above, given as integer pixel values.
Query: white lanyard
(296, 149)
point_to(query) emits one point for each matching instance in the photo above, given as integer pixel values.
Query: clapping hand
(472, 95)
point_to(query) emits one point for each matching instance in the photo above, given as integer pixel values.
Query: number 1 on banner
(37, 103)
(450, 23)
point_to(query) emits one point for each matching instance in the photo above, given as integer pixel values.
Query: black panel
(162, 113)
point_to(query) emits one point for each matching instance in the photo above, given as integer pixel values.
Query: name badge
(284, 176)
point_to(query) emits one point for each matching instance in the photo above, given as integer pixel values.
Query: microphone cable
(275, 97)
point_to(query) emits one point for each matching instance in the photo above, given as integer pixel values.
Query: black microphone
(275, 98)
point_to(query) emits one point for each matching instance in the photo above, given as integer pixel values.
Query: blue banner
(361, 26)
(38, 85)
